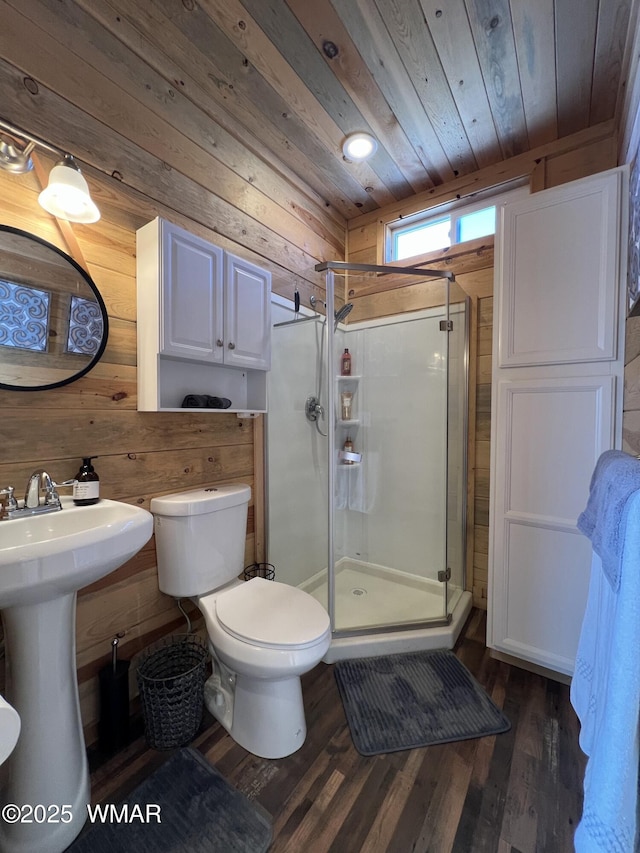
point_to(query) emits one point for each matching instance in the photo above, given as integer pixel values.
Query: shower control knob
(232, 345)
(219, 343)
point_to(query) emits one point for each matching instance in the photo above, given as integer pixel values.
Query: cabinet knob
(231, 345)
(219, 343)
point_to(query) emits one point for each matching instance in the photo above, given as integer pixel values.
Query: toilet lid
(272, 614)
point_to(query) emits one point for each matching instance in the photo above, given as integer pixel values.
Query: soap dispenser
(87, 486)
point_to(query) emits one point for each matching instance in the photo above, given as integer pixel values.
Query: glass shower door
(297, 456)
(390, 506)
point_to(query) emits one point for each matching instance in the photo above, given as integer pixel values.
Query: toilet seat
(273, 615)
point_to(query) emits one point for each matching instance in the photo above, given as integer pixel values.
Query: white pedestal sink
(44, 560)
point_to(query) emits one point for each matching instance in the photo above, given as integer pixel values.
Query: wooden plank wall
(631, 415)
(140, 454)
(583, 154)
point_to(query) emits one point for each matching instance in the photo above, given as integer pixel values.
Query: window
(477, 224)
(429, 231)
(421, 238)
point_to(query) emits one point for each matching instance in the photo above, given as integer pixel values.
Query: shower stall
(366, 473)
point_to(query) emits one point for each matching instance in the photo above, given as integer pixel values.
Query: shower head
(339, 315)
(343, 312)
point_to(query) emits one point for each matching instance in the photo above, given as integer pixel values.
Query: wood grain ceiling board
(410, 34)
(291, 40)
(492, 32)
(451, 33)
(611, 38)
(534, 36)
(576, 24)
(232, 110)
(322, 23)
(371, 38)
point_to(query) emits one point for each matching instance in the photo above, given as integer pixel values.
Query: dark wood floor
(519, 792)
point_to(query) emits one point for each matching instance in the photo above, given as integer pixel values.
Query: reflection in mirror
(53, 322)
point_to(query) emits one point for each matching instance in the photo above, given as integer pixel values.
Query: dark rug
(199, 810)
(417, 699)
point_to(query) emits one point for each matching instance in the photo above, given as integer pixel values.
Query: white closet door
(556, 406)
(550, 435)
(560, 267)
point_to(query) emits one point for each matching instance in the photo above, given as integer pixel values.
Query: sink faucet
(8, 502)
(41, 481)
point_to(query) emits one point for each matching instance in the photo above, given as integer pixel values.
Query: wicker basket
(171, 675)
(260, 570)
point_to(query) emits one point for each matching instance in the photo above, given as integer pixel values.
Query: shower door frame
(329, 267)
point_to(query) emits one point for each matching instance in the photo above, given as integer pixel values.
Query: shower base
(368, 596)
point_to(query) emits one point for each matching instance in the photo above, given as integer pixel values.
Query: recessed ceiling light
(359, 146)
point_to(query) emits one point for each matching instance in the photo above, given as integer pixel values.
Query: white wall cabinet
(204, 322)
(556, 406)
(247, 314)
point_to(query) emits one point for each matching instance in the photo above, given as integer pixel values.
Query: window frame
(455, 210)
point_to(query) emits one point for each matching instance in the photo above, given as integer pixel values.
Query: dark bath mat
(418, 699)
(199, 810)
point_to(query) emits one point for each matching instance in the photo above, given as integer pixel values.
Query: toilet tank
(200, 538)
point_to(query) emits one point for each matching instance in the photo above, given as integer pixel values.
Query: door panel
(560, 275)
(556, 406)
(192, 317)
(247, 315)
(550, 435)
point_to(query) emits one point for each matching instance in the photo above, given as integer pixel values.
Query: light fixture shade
(359, 146)
(67, 194)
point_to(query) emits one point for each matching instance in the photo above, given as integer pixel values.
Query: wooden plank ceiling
(251, 99)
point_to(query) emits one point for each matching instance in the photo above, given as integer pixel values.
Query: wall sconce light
(67, 194)
(359, 146)
(15, 159)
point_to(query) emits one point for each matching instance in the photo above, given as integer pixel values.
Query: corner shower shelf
(342, 463)
(348, 378)
(352, 422)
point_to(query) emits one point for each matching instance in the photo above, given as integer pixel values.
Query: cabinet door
(556, 406)
(548, 439)
(247, 314)
(192, 297)
(559, 274)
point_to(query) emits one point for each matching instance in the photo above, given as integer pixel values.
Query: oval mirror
(53, 321)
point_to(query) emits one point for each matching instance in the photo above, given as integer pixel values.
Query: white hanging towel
(605, 692)
(364, 483)
(341, 487)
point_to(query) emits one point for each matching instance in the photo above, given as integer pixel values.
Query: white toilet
(263, 635)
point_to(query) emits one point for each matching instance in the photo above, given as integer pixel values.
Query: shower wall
(390, 510)
(395, 510)
(393, 506)
(297, 527)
